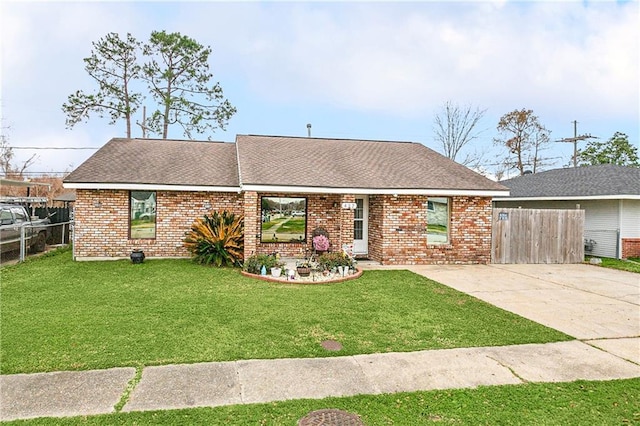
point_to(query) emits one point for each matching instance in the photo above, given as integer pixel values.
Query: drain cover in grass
(330, 417)
(331, 345)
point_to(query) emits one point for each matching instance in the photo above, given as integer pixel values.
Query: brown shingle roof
(292, 162)
(346, 163)
(163, 162)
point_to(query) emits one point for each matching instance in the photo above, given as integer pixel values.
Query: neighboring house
(372, 197)
(609, 195)
(65, 200)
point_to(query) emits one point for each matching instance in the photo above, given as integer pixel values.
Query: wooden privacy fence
(537, 236)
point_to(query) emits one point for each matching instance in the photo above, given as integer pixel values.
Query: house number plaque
(503, 216)
(349, 206)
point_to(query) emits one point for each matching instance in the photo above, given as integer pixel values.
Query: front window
(284, 219)
(142, 220)
(438, 220)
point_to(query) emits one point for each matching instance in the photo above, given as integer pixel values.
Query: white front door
(361, 226)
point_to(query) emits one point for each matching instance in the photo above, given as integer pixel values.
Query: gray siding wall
(630, 220)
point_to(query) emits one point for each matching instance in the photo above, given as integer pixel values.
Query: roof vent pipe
(309, 130)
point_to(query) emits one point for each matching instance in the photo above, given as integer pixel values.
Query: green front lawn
(631, 265)
(614, 402)
(58, 314)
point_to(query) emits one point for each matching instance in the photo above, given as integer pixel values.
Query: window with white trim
(142, 217)
(438, 219)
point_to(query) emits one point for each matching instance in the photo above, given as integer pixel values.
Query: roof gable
(586, 181)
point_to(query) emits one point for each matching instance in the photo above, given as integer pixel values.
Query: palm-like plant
(217, 239)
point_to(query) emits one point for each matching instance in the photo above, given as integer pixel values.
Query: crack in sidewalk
(131, 385)
(522, 379)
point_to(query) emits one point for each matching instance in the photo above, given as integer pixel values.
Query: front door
(361, 226)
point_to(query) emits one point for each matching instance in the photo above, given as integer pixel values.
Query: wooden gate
(537, 236)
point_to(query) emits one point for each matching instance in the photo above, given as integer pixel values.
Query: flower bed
(316, 277)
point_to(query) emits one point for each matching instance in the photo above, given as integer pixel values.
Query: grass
(295, 225)
(630, 265)
(272, 222)
(614, 402)
(58, 314)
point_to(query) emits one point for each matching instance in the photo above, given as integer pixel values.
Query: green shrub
(328, 261)
(253, 264)
(217, 240)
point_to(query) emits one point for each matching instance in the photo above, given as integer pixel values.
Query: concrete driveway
(591, 303)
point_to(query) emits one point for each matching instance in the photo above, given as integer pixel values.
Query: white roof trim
(373, 191)
(287, 189)
(151, 187)
(575, 197)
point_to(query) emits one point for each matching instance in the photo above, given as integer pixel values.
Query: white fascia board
(373, 191)
(572, 198)
(151, 187)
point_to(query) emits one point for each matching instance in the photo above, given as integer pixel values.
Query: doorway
(361, 226)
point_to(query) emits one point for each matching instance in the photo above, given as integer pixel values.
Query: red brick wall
(397, 231)
(376, 222)
(630, 247)
(470, 230)
(103, 231)
(396, 225)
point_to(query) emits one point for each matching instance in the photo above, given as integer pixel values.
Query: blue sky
(366, 70)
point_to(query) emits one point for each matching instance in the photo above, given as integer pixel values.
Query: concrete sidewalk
(62, 394)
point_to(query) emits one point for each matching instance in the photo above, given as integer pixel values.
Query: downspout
(619, 234)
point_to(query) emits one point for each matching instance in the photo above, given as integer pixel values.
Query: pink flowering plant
(321, 243)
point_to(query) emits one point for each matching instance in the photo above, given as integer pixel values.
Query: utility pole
(575, 140)
(143, 125)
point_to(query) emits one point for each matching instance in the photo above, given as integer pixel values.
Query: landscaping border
(269, 278)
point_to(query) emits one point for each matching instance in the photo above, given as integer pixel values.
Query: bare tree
(455, 127)
(524, 137)
(8, 169)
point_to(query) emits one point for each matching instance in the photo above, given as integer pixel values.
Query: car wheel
(41, 241)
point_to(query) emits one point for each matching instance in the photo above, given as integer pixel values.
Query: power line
(40, 173)
(54, 147)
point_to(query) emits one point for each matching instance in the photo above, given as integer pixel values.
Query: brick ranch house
(392, 202)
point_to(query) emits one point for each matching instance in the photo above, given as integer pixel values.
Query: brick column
(252, 222)
(346, 221)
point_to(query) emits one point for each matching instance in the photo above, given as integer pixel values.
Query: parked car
(13, 217)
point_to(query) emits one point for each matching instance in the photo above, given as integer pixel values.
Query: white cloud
(402, 59)
(398, 61)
